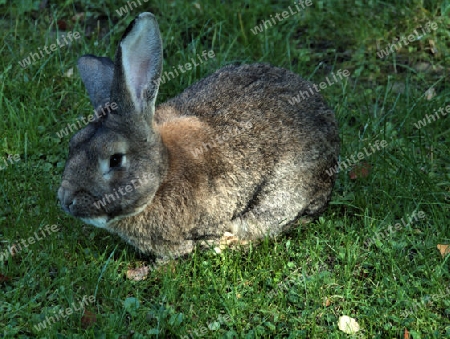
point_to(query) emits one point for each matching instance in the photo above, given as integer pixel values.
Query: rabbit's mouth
(106, 220)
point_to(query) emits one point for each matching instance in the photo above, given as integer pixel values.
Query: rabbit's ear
(97, 75)
(138, 66)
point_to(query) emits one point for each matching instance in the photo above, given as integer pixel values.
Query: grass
(296, 286)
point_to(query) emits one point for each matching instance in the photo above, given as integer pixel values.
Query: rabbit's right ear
(138, 67)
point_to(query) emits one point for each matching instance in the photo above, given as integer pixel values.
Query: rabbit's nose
(65, 196)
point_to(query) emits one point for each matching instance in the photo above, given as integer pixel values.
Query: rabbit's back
(246, 110)
(236, 92)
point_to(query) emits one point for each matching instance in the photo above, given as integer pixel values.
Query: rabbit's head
(117, 162)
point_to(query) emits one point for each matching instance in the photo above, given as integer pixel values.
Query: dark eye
(115, 160)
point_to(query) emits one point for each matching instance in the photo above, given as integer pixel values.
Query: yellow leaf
(348, 325)
(444, 249)
(138, 274)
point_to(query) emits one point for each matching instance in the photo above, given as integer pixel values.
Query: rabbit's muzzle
(77, 203)
(66, 197)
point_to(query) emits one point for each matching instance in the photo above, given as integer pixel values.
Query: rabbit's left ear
(97, 75)
(138, 67)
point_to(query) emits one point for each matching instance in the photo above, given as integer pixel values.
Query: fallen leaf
(430, 93)
(62, 25)
(4, 278)
(433, 47)
(361, 170)
(88, 319)
(444, 249)
(228, 239)
(13, 250)
(348, 325)
(79, 16)
(406, 334)
(326, 302)
(138, 274)
(69, 73)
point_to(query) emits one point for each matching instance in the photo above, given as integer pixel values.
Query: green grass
(276, 289)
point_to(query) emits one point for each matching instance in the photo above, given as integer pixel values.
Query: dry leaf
(444, 249)
(79, 16)
(69, 73)
(88, 319)
(138, 274)
(406, 334)
(361, 170)
(430, 93)
(326, 302)
(228, 240)
(4, 278)
(62, 25)
(348, 325)
(433, 47)
(13, 250)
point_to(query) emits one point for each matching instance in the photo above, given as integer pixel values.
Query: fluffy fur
(228, 155)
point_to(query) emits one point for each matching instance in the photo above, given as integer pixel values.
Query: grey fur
(97, 75)
(261, 169)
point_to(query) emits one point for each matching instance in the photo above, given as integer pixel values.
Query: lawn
(376, 255)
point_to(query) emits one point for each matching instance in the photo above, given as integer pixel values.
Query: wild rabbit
(228, 157)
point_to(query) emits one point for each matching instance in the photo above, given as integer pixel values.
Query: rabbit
(228, 158)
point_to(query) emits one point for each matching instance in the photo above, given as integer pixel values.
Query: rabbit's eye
(115, 160)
